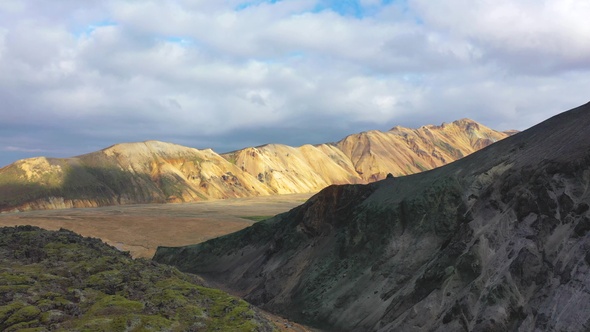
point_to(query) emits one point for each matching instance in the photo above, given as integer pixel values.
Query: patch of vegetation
(421, 167)
(197, 161)
(58, 280)
(15, 192)
(232, 158)
(171, 186)
(456, 153)
(104, 183)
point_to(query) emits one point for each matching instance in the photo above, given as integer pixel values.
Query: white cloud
(529, 35)
(109, 71)
(18, 149)
(12, 7)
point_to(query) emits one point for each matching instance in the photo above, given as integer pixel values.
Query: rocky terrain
(157, 172)
(497, 241)
(60, 281)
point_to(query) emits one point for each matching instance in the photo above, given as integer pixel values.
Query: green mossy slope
(62, 281)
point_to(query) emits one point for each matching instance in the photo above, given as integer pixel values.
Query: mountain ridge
(495, 241)
(159, 172)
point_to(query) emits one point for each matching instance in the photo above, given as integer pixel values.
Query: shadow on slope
(495, 241)
(77, 186)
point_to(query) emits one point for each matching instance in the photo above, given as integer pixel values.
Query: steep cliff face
(496, 241)
(157, 172)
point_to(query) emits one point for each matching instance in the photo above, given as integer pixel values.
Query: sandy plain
(140, 229)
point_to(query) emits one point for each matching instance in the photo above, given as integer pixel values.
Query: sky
(78, 76)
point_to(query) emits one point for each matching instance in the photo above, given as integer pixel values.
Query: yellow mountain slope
(363, 157)
(157, 172)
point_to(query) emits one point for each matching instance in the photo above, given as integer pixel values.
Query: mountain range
(158, 172)
(496, 241)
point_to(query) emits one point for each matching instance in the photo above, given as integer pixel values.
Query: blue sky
(358, 9)
(353, 8)
(88, 29)
(345, 7)
(77, 76)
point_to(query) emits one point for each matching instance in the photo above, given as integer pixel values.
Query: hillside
(363, 157)
(148, 172)
(58, 280)
(157, 172)
(496, 241)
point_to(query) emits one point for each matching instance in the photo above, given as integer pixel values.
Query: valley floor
(140, 229)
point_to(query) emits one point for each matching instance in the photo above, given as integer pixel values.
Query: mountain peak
(466, 122)
(155, 171)
(146, 148)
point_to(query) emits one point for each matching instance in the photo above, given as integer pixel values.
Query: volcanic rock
(496, 241)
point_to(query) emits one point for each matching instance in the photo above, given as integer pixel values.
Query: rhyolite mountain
(496, 241)
(60, 281)
(157, 172)
(363, 157)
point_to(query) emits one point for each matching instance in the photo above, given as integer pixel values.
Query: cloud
(77, 76)
(529, 36)
(19, 149)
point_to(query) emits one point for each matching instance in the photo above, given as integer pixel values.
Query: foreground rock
(157, 172)
(497, 241)
(57, 280)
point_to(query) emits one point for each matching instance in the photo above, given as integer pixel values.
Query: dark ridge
(496, 241)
